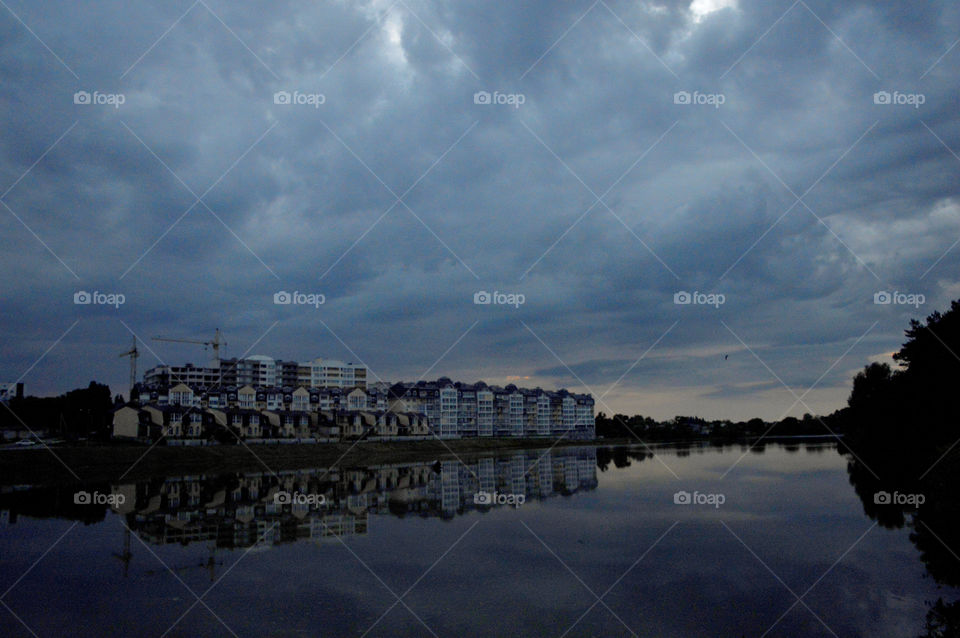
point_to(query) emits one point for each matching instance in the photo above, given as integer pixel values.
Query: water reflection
(910, 486)
(789, 502)
(242, 510)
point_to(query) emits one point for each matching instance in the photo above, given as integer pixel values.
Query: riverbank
(115, 463)
(118, 463)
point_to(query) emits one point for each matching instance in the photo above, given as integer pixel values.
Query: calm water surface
(598, 547)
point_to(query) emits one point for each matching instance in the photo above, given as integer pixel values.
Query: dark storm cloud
(493, 197)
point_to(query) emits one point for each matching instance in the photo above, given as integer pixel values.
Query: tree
(870, 386)
(901, 427)
(916, 400)
(78, 413)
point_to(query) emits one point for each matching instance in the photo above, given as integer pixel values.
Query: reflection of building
(449, 487)
(260, 508)
(242, 510)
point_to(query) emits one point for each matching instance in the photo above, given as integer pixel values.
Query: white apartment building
(568, 415)
(471, 410)
(331, 373)
(258, 370)
(448, 411)
(261, 371)
(485, 413)
(516, 414)
(543, 415)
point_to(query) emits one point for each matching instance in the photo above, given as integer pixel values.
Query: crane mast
(133, 353)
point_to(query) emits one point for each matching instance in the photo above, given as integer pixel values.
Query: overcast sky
(628, 151)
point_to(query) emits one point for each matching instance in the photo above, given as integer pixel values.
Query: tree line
(81, 413)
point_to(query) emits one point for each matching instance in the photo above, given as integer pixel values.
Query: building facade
(464, 410)
(262, 371)
(263, 409)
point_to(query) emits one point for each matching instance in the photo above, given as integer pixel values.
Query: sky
(585, 167)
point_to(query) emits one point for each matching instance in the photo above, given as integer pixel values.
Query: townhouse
(176, 409)
(183, 414)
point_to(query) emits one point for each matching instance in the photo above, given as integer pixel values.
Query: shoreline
(127, 463)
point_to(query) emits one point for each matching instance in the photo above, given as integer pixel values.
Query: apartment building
(261, 371)
(471, 410)
(164, 375)
(331, 373)
(440, 408)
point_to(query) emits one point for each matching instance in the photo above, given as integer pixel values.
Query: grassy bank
(117, 463)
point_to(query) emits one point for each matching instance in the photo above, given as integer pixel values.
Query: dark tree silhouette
(901, 429)
(83, 412)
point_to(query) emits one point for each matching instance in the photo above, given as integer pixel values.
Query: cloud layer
(399, 196)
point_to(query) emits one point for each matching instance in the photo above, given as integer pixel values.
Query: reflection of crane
(133, 354)
(210, 564)
(125, 556)
(215, 344)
